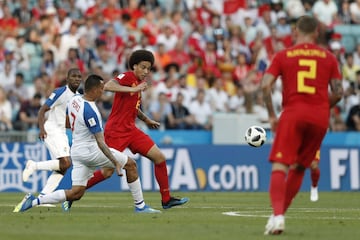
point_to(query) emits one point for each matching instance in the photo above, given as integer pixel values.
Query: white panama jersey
(85, 121)
(57, 103)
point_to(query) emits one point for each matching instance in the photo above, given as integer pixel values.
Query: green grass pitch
(215, 215)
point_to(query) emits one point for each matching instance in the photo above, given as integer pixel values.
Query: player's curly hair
(140, 56)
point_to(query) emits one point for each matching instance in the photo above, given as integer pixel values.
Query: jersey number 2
(308, 74)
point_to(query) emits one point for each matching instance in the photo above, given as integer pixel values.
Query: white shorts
(58, 144)
(86, 160)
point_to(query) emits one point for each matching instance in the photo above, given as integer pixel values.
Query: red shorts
(136, 140)
(296, 141)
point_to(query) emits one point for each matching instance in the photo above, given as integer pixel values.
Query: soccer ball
(255, 136)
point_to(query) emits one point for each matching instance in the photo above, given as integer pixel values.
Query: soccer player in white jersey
(53, 133)
(89, 151)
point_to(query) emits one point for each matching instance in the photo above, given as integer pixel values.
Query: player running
(89, 151)
(121, 131)
(306, 71)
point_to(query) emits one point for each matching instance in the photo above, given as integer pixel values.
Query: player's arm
(114, 86)
(336, 93)
(149, 122)
(99, 136)
(266, 86)
(41, 120)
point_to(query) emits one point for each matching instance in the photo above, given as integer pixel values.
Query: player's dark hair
(307, 24)
(71, 70)
(139, 56)
(92, 81)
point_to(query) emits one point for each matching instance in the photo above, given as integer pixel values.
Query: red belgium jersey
(125, 107)
(306, 70)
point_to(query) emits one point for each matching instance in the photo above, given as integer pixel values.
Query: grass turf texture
(111, 216)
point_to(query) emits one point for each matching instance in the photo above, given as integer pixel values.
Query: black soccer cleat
(174, 202)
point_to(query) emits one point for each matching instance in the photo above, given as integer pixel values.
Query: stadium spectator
(73, 60)
(354, 8)
(111, 11)
(326, 11)
(21, 56)
(180, 56)
(202, 111)
(187, 91)
(160, 111)
(113, 42)
(7, 73)
(69, 40)
(5, 112)
(283, 28)
(344, 12)
(48, 62)
(218, 97)
(24, 15)
(168, 86)
(167, 37)
(353, 118)
(89, 31)
(181, 118)
(294, 8)
(17, 92)
(349, 69)
(237, 101)
(27, 117)
(356, 55)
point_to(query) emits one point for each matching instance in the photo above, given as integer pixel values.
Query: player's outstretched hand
(152, 124)
(141, 87)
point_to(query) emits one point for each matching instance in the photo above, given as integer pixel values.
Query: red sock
(98, 177)
(163, 180)
(315, 176)
(277, 191)
(293, 184)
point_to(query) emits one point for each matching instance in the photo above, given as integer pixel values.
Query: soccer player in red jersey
(306, 71)
(121, 131)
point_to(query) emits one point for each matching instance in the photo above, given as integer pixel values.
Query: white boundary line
(252, 215)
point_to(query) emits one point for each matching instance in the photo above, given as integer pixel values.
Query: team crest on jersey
(120, 76)
(92, 122)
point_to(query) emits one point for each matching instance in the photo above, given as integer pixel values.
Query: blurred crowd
(210, 55)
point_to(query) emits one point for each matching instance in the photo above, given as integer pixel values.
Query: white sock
(53, 165)
(52, 183)
(137, 194)
(54, 197)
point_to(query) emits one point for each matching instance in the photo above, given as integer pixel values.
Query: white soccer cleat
(275, 225)
(314, 195)
(269, 225)
(29, 170)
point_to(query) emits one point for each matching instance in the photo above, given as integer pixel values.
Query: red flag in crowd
(231, 6)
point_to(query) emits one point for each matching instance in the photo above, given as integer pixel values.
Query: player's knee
(159, 158)
(131, 170)
(107, 173)
(65, 163)
(131, 165)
